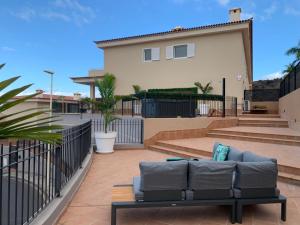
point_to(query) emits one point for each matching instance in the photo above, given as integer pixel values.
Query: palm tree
(288, 68)
(137, 88)
(295, 51)
(24, 124)
(205, 89)
(108, 100)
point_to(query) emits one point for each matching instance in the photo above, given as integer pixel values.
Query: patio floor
(91, 204)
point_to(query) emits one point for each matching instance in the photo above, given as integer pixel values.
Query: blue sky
(59, 34)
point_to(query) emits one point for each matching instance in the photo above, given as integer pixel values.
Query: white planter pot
(203, 109)
(105, 141)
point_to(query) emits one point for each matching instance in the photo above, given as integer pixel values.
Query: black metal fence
(168, 108)
(129, 130)
(290, 82)
(262, 95)
(33, 173)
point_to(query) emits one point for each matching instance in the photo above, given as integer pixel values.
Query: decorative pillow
(221, 153)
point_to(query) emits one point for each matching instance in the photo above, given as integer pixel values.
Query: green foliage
(136, 88)
(288, 68)
(106, 88)
(24, 124)
(295, 51)
(205, 89)
(192, 90)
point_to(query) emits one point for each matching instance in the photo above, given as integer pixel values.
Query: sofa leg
(283, 211)
(113, 215)
(239, 212)
(232, 214)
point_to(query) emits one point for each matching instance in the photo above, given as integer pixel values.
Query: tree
(24, 124)
(205, 89)
(108, 100)
(295, 51)
(288, 68)
(137, 88)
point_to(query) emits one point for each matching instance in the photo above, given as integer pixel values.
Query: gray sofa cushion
(163, 175)
(256, 175)
(139, 195)
(209, 194)
(251, 157)
(208, 174)
(235, 155)
(256, 193)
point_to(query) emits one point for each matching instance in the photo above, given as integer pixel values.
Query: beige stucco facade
(216, 56)
(289, 109)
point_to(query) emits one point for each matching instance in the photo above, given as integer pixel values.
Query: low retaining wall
(55, 209)
(177, 128)
(289, 109)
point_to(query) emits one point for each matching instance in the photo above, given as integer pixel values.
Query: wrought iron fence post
(132, 108)
(57, 171)
(142, 131)
(122, 107)
(80, 147)
(224, 93)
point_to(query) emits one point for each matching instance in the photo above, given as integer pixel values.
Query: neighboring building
(61, 104)
(180, 57)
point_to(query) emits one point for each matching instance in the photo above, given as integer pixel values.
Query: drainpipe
(224, 92)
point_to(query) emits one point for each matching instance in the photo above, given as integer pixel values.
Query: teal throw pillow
(221, 153)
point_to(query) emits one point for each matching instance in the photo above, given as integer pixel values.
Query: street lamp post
(51, 73)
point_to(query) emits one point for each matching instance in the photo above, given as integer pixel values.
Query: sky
(58, 34)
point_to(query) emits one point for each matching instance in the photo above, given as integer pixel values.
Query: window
(147, 54)
(151, 54)
(180, 51)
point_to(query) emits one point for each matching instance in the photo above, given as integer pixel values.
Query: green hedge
(163, 95)
(192, 90)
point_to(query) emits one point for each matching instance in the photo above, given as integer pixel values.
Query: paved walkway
(91, 205)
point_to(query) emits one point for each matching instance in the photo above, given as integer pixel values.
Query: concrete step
(245, 124)
(286, 173)
(258, 134)
(248, 115)
(175, 152)
(254, 138)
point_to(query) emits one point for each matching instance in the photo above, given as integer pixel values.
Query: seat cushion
(164, 175)
(256, 175)
(256, 193)
(235, 155)
(138, 194)
(209, 174)
(251, 157)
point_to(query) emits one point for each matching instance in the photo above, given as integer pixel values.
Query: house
(61, 104)
(179, 57)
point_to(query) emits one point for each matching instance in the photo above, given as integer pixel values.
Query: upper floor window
(151, 54)
(180, 51)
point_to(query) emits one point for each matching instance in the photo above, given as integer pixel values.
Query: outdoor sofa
(244, 178)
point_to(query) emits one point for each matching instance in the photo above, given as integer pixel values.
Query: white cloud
(7, 49)
(272, 76)
(292, 11)
(268, 12)
(26, 14)
(223, 2)
(54, 15)
(63, 10)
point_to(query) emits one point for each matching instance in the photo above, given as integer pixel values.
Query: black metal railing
(262, 95)
(129, 130)
(192, 107)
(291, 81)
(32, 173)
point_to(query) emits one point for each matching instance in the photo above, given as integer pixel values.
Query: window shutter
(155, 53)
(190, 50)
(169, 52)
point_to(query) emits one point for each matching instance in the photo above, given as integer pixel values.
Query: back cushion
(207, 174)
(235, 155)
(251, 157)
(256, 175)
(163, 175)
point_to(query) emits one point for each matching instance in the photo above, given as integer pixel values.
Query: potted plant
(203, 107)
(105, 140)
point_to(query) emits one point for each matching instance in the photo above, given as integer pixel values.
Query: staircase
(267, 136)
